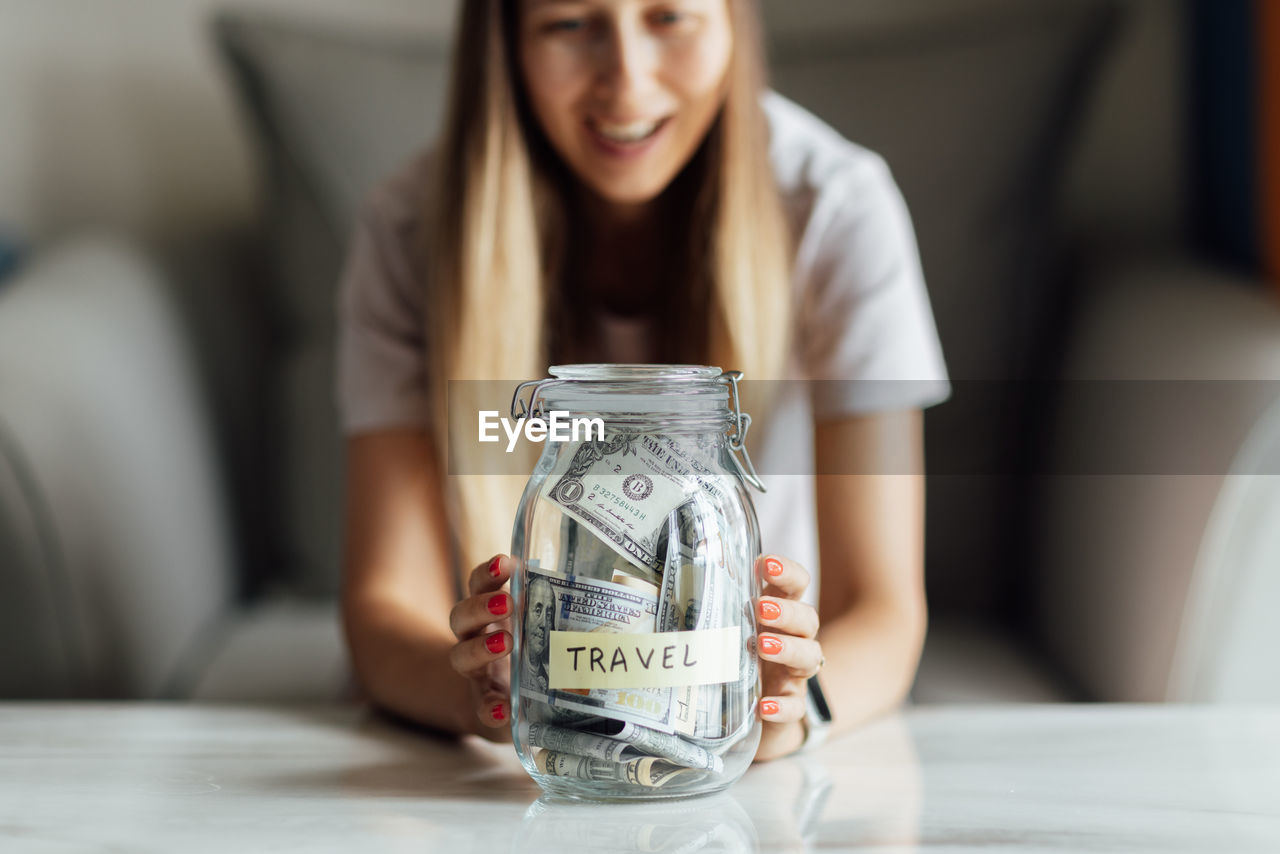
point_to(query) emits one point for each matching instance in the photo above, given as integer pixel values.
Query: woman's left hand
(789, 654)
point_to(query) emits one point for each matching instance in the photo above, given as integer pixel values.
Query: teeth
(633, 132)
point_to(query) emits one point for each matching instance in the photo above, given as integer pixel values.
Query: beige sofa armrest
(1157, 577)
(120, 504)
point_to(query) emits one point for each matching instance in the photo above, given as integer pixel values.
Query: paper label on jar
(653, 660)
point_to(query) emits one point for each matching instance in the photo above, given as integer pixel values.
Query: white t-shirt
(864, 334)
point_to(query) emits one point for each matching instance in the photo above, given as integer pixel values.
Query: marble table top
(181, 778)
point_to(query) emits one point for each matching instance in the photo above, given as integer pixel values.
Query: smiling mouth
(630, 133)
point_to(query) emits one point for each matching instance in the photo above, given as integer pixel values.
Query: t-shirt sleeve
(868, 337)
(381, 349)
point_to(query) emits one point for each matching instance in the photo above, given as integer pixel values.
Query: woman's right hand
(482, 624)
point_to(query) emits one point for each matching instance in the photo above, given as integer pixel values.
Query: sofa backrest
(115, 548)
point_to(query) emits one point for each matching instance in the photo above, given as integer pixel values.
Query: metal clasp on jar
(738, 435)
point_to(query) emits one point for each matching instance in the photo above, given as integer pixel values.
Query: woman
(613, 184)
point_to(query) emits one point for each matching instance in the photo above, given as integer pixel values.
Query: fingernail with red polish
(769, 645)
(773, 566)
(768, 707)
(498, 643)
(770, 611)
(498, 713)
(499, 605)
(495, 566)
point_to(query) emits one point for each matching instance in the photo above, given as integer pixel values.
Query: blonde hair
(498, 225)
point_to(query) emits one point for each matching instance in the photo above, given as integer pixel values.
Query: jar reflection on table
(715, 823)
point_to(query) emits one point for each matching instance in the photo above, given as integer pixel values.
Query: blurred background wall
(180, 192)
(117, 112)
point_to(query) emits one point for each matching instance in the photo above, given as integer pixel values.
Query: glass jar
(634, 673)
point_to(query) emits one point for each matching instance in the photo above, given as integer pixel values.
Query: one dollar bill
(621, 490)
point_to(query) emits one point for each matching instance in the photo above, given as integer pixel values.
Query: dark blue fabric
(1225, 157)
(10, 257)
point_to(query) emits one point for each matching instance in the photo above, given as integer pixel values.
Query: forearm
(871, 551)
(401, 658)
(872, 649)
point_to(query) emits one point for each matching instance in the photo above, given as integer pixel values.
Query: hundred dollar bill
(573, 603)
(649, 771)
(698, 593)
(671, 618)
(712, 595)
(705, 590)
(622, 490)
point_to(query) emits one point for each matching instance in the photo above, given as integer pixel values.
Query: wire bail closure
(737, 436)
(525, 411)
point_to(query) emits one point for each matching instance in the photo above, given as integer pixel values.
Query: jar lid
(679, 391)
(663, 397)
(607, 372)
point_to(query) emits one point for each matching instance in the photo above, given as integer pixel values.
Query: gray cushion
(278, 651)
(973, 115)
(114, 553)
(341, 106)
(37, 654)
(971, 102)
(1157, 580)
(335, 111)
(968, 662)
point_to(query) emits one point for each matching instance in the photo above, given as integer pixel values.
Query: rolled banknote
(671, 618)
(668, 746)
(698, 594)
(648, 771)
(578, 743)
